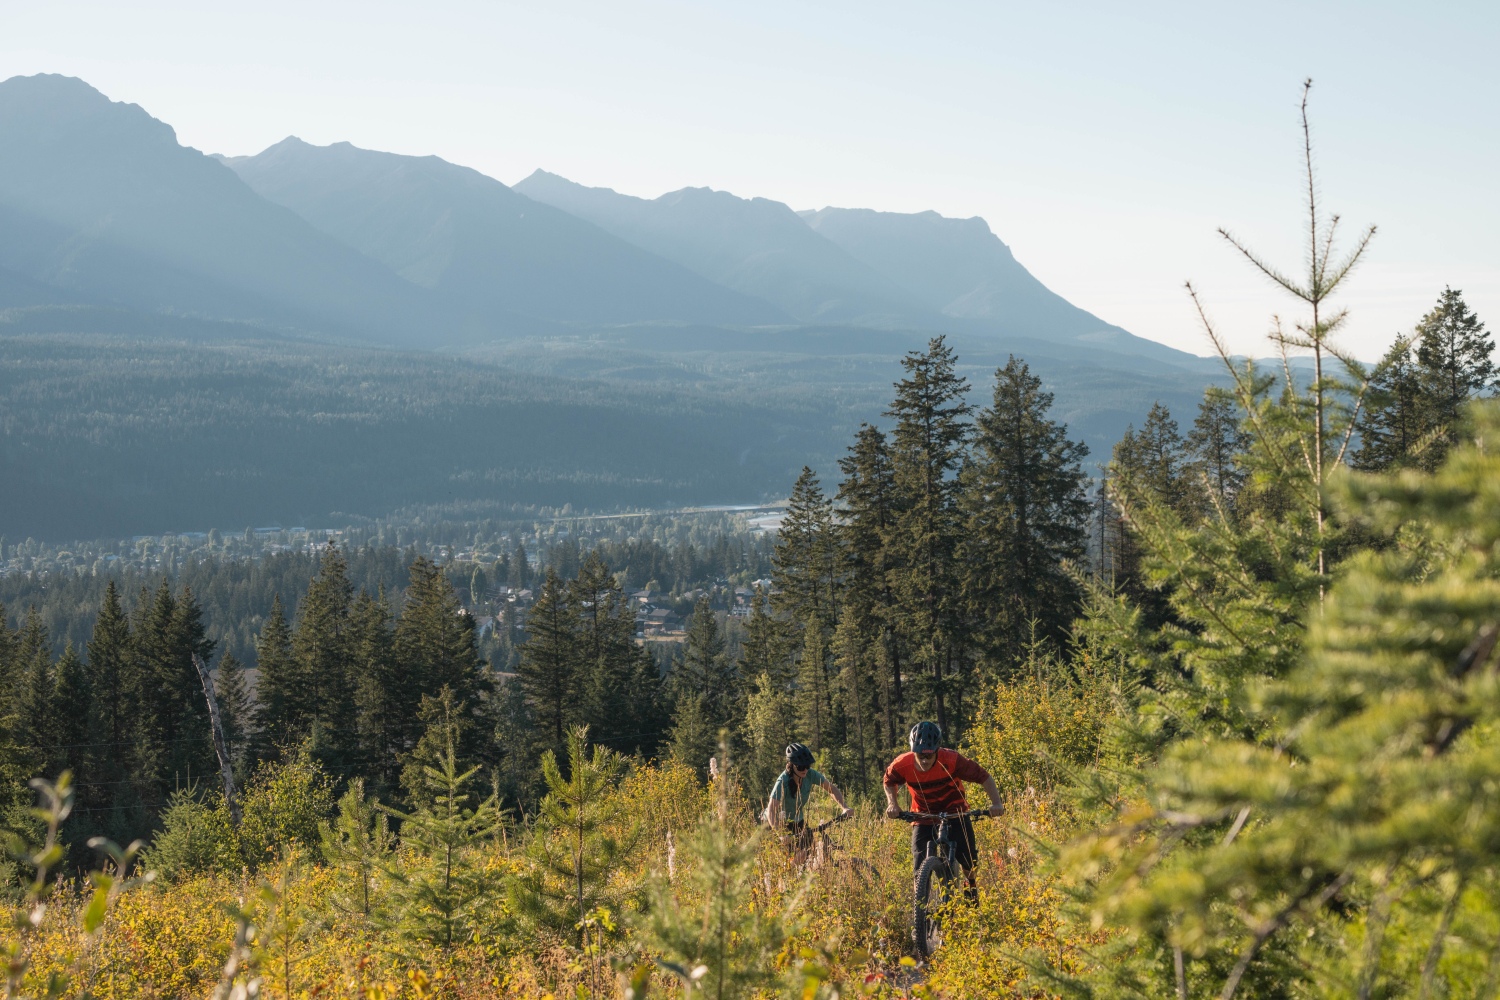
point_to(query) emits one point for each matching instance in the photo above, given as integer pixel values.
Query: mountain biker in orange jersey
(935, 776)
(789, 795)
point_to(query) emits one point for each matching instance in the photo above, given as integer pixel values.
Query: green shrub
(195, 838)
(284, 805)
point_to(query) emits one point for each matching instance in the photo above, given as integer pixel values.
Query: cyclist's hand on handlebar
(997, 810)
(892, 812)
(846, 814)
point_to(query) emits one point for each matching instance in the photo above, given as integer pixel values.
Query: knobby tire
(930, 890)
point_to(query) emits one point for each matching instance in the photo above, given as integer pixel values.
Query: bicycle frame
(943, 845)
(813, 837)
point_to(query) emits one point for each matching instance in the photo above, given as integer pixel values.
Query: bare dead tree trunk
(221, 746)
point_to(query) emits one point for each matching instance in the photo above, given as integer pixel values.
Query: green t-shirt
(782, 791)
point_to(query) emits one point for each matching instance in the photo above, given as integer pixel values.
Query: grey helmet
(925, 737)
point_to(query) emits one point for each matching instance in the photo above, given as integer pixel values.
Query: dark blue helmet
(925, 737)
(798, 755)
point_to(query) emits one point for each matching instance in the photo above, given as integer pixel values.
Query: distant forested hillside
(104, 436)
(101, 437)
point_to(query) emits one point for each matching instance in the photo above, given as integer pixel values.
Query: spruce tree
(9, 640)
(1156, 459)
(576, 861)
(282, 719)
(441, 895)
(608, 657)
(1456, 355)
(1242, 592)
(434, 638)
(814, 708)
(356, 845)
(33, 666)
(765, 649)
(187, 733)
(322, 644)
(1152, 466)
(1216, 442)
(111, 665)
(520, 567)
(73, 726)
(1026, 515)
(858, 688)
(1396, 419)
(383, 697)
(549, 668)
(806, 555)
(927, 449)
(444, 721)
(705, 671)
(1347, 846)
(17, 757)
(693, 735)
(870, 505)
(236, 708)
(713, 937)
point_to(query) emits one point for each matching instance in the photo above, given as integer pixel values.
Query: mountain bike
(803, 840)
(937, 879)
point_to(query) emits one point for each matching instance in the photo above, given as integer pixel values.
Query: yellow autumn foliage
(853, 901)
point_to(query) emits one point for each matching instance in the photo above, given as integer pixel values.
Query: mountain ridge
(101, 205)
(102, 202)
(478, 244)
(755, 245)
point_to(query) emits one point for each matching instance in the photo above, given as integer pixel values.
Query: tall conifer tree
(434, 637)
(813, 702)
(806, 559)
(1026, 506)
(109, 664)
(33, 658)
(236, 708)
(187, 733)
(871, 504)
(322, 644)
(927, 449)
(281, 714)
(1216, 442)
(548, 668)
(385, 709)
(73, 731)
(609, 660)
(1397, 413)
(1456, 355)
(705, 670)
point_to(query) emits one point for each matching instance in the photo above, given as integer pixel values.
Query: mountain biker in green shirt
(788, 802)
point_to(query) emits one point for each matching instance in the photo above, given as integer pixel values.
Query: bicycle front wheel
(932, 887)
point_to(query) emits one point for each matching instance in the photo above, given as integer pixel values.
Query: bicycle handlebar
(829, 822)
(912, 817)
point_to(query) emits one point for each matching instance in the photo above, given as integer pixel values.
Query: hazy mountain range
(193, 341)
(100, 205)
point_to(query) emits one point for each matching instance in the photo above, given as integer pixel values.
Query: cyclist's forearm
(773, 813)
(838, 796)
(993, 791)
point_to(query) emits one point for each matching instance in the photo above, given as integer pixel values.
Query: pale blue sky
(1104, 142)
